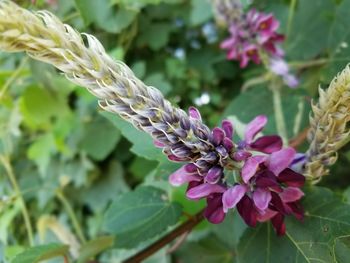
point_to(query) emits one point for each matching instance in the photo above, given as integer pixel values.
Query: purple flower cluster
(264, 188)
(253, 33)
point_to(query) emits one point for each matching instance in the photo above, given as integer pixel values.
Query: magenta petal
(158, 144)
(261, 198)
(204, 190)
(254, 127)
(190, 168)
(194, 113)
(267, 144)
(218, 135)
(214, 175)
(232, 196)
(241, 155)
(266, 215)
(291, 194)
(228, 128)
(250, 167)
(291, 178)
(297, 210)
(181, 176)
(280, 160)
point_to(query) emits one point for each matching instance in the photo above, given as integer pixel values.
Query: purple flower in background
(253, 33)
(280, 67)
(267, 187)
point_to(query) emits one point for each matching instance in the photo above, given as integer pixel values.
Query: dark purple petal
(232, 196)
(278, 224)
(228, 128)
(261, 198)
(280, 160)
(204, 190)
(181, 176)
(214, 212)
(254, 127)
(291, 178)
(277, 203)
(291, 194)
(218, 136)
(247, 211)
(266, 179)
(241, 155)
(228, 144)
(214, 174)
(297, 210)
(267, 144)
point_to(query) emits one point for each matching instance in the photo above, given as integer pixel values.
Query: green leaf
(40, 151)
(39, 253)
(155, 35)
(201, 12)
(158, 80)
(208, 250)
(140, 215)
(100, 138)
(314, 18)
(322, 237)
(38, 105)
(94, 247)
(142, 143)
(104, 15)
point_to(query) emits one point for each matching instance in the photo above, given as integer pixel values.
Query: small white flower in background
(202, 100)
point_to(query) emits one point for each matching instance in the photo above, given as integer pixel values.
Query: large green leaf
(208, 250)
(94, 247)
(322, 237)
(39, 253)
(140, 215)
(100, 137)
(314, 18)
(256, 101)
(104, 15)
(142, 142)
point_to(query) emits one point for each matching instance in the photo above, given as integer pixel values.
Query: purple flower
(254, 32)
(265, 144)
(268, 189)
(280, 68)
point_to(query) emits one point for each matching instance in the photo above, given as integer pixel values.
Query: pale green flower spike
(44, 37)
(329, 130)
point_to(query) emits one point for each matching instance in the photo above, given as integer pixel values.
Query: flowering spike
(329, 130)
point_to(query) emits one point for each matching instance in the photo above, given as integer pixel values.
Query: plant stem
(72, 216)
(9, 171)
(279, 116)
(291, 16)
(13, 77)
(181, 229)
